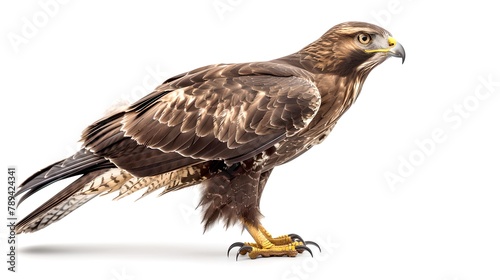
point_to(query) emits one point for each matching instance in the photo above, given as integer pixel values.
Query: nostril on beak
(391, 41)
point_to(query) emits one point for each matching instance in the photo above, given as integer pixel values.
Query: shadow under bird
(223, 126)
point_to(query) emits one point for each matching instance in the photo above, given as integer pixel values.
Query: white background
(441, 221)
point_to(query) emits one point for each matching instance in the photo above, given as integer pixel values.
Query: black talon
(243, 250)
(235, 244)
(313, 243)
(296, 237)
(302, 248)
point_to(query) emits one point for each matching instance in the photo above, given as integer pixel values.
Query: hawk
(224, 127)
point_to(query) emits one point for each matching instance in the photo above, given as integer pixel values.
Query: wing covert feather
(229, 117)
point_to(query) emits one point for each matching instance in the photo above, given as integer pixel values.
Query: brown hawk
(224, 126)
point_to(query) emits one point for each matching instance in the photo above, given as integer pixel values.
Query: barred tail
(100, 182)
(73, 196)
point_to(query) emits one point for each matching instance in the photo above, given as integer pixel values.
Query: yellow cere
(392, 42)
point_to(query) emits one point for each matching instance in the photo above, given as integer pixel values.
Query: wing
(228, 112)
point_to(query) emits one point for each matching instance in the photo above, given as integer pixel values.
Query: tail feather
(73, 196)
(99, 176)
(80, 163)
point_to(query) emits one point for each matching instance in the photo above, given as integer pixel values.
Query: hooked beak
(395, 49)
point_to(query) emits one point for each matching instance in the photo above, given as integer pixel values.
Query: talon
(313, 243)
(301, 249)
(243, 250)
(235, 244)
(296, 237)
(268, 246)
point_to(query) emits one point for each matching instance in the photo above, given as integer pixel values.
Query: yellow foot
(253, 250)
(268, 246)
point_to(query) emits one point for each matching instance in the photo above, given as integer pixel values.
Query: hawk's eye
(364, 38)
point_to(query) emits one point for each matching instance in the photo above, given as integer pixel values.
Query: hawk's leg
(267, 246)
(282, 239)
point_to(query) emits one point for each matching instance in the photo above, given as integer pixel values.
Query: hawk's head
(352, 46)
